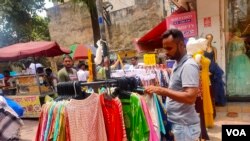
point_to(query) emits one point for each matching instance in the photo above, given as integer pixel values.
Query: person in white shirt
(82, 73)
(34, 66)
(134, 63)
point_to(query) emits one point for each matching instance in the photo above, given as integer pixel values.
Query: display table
(30, 93)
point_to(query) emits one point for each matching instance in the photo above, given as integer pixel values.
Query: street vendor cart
(29, 90)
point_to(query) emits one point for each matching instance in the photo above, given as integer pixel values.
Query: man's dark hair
(67, 56)
(176, 34)
(134, 58)
(81, 64)
(48, 70)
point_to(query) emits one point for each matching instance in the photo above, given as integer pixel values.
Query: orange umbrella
(81, 52)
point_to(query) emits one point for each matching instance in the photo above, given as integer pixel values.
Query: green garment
(65, 76)
(135, 121)
(238, 69)
(57, 124)
(101, 73)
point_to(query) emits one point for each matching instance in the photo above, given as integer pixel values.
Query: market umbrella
(31, 49)
(79, 52)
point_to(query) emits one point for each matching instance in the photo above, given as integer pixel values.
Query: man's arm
(187, 96)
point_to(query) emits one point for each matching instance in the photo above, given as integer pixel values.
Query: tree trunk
(95, 25)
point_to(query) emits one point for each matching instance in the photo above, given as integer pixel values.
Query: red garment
(42, 123)
(39, 128)
(67, 127)
(53, 121)
(113, 118)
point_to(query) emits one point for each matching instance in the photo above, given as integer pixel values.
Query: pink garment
(152, 134)
(151, 105)
(86, 122)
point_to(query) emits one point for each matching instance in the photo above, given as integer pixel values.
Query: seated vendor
(51, 78)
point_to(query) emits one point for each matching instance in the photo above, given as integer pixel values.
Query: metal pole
(103, 36)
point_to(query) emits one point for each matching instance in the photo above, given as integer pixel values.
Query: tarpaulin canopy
(31, 49)
(180, 19)
(152, 40)
(81, 51)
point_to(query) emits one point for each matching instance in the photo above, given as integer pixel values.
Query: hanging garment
(86, 120)
(135, 121)
(167, 124)
(58, 125)
(161, 125)
(207, 102)
(113, 118)
(200, 110)
(152, 133)
(238, 82)
(153, 113)
(217, 84)
(49, 121)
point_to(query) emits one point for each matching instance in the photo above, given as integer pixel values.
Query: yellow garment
(90, 66)
(207, 101)
(48, 99)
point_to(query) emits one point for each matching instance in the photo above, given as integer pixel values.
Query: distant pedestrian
(67, 73)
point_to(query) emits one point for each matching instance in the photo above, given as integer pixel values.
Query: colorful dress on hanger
(207, 101)
(135, 121)
(85, 117)
(238, 82)
(113, 118)
(216, 80)
(152, 133)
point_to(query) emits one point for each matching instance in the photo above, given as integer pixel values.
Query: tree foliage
(19, 21)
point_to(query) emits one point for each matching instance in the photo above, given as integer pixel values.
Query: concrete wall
(133, 22)
(70, 24)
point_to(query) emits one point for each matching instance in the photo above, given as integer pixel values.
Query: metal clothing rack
(75, 87)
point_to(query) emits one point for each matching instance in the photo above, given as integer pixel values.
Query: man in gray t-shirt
(183, 88)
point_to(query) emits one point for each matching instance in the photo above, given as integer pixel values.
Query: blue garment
(162, 127)
(167, 124)
(217, 84)
(1, 76)
(15, 106)
(57, 124)
(50, 116)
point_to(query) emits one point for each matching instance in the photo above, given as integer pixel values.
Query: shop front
(229, 22)
(237, 39)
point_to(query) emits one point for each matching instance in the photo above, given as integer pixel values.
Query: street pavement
(28, 131)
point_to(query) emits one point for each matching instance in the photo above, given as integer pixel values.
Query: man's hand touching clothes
(152, 89)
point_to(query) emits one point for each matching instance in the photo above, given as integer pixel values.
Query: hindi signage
(186, 22)
(31, 104)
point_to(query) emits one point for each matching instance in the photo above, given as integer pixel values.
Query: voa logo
(236, 132)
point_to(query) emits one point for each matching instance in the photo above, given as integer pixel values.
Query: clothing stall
(116, 113)
(29, 90)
